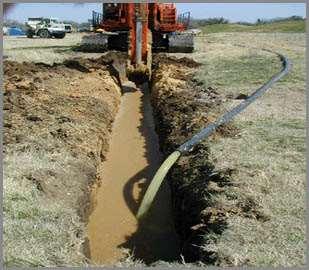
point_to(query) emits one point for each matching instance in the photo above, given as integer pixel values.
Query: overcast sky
(234, 12)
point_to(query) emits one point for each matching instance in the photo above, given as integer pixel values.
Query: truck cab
(45, 28)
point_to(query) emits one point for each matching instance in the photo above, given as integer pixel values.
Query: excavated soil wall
(182, 106)
(63, 113)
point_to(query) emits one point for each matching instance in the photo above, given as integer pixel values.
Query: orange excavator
(140, 28)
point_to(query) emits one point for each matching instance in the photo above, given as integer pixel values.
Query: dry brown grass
(48, 51)
(38, 231)
(268, 155)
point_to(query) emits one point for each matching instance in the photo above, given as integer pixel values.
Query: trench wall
(57, 124)
(202, 203)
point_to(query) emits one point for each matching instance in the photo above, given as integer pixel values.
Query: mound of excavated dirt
(70, 106)
(182, 106)
(63, 112)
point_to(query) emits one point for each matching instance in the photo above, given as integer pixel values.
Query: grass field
(37, 231)
(47, 51)
(268, 154)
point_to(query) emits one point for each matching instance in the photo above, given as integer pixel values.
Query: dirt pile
(64, 113)
(182, 106)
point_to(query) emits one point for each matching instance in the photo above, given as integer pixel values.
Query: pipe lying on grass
(204, 133)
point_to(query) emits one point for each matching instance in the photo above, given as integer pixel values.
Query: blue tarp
(15, 31)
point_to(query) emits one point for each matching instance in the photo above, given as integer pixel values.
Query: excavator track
(118, 42)
(95, 42)
(181, 43)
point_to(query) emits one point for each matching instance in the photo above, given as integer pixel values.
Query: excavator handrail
(206, 132)
(184, 18)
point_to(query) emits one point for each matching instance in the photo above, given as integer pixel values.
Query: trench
(133, 158)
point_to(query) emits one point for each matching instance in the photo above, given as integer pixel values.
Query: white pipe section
(139, 29)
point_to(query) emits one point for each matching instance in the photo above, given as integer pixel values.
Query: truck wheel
(59, 35)
(43, 33)
(29, 34)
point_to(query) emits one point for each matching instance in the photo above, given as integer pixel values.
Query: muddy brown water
(132, 160)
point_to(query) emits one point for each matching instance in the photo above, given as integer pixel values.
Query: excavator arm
(140, 45)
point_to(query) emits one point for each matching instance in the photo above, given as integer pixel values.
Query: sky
(249, 12)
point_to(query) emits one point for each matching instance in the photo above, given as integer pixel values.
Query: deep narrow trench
(131, 162)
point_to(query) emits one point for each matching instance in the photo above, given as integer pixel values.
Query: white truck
(45, 28)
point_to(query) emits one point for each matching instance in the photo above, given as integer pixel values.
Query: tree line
(196, 23)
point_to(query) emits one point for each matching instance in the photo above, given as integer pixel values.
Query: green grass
(68, 47)
(284, 26)
(278, 135)
(235, 72)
